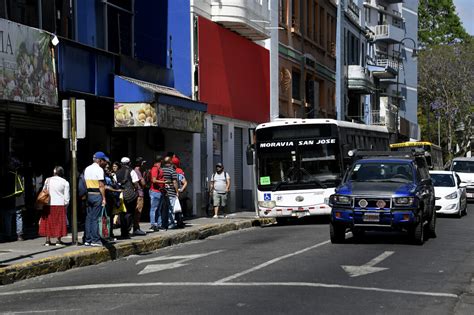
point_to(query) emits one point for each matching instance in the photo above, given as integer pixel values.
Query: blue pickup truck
(384, 191)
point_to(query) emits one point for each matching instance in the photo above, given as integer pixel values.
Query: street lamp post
(414, 55)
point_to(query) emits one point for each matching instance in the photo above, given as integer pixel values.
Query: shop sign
(164, 116)
(174, 117)
(134, 115)
(27, 71)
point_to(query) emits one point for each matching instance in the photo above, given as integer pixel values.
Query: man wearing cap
(219, 188)
(95, 183)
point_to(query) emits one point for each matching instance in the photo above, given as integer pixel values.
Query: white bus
(299, 162)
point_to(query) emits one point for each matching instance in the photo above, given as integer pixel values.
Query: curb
(93, 256)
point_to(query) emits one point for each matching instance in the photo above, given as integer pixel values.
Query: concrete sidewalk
(29, 258)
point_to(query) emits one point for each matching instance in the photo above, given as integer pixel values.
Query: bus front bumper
(295, 212)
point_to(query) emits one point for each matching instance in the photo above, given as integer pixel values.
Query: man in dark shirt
(171, 190)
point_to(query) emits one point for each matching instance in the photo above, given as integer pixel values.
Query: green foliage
(446, 90)
(438, 23)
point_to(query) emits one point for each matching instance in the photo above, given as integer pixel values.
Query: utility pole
(340, 55)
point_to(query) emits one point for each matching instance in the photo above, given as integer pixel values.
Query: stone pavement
(29, 258)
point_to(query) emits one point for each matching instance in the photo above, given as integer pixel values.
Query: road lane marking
(265, 264)
(368, 268)
(180, 262)
(227, 284)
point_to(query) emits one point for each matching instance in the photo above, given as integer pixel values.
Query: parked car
(450, 193)
(390, 190)
(464, 167)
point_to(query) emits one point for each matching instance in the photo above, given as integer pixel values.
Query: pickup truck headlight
(454, 195)
(341, 200)
(403, 201)
(267, 204)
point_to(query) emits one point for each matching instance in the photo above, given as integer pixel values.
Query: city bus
(299, 162)
(433, 152)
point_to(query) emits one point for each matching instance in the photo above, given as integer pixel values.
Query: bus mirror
(345, 151)
(250, 151)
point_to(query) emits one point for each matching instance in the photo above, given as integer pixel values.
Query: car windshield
(381, 172)
(442, 180)
(463, 166)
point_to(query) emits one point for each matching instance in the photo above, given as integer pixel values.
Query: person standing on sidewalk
(53, 217)
(182, 184)
(219, 188)
(157, 186)
(171, 193)
(95, 182)
(139, 165)
(128, 180)
(12, 199)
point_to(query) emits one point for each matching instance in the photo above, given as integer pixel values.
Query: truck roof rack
(358, 154)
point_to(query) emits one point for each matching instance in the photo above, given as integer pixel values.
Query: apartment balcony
(393, 1)
(388, 33)
(360, 79)
(249, 18)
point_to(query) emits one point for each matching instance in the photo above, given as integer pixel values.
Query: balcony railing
(390, 62)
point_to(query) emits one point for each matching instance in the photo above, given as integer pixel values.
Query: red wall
(234, 74)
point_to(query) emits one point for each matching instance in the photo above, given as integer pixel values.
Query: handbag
(177, 206)
(121, 206)
(43, 197)
(104, 224)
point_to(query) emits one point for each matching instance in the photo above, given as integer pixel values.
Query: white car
(464, 167)
(450, 193)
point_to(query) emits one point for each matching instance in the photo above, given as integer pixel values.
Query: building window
(217, 144)
(308, 18)
(367, 14)
(295, 18)
(316, 22)
(22, 11)
(119, 26)
(322, 26)
(296, 85)
(283, 11)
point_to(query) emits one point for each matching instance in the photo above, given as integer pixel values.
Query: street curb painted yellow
(93, 256)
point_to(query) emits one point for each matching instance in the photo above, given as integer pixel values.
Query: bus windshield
(299, 168)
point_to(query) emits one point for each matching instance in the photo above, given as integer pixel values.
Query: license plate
(300, 214)
(371, 217)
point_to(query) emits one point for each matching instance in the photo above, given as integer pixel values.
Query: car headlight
(403, 201)
(267, 204)
(454, 195)
(341, 200)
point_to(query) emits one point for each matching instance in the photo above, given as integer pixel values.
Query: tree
(446, 92)
(438, 23)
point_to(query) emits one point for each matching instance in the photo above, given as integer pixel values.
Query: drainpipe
(340, 54)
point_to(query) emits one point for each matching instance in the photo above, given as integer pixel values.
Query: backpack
(81, 186)
(129, 191)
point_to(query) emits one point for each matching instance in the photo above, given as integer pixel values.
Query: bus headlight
(403, 201)
(267, 204)
(340, 200)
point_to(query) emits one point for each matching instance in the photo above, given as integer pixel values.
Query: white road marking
(355, 271)
(265, 264)
(226, 284)
(180, 262)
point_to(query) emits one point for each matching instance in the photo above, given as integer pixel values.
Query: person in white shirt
(219, 188)
(53, 216)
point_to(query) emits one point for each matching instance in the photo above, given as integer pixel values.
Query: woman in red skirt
(53, 217)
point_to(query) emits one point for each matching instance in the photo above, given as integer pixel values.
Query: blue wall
(87, 22)
(179, 28)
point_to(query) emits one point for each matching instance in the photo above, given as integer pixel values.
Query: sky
(465, 10)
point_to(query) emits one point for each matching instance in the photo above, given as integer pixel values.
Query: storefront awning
(144, 104)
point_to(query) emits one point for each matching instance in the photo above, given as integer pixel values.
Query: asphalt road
(291, 269)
